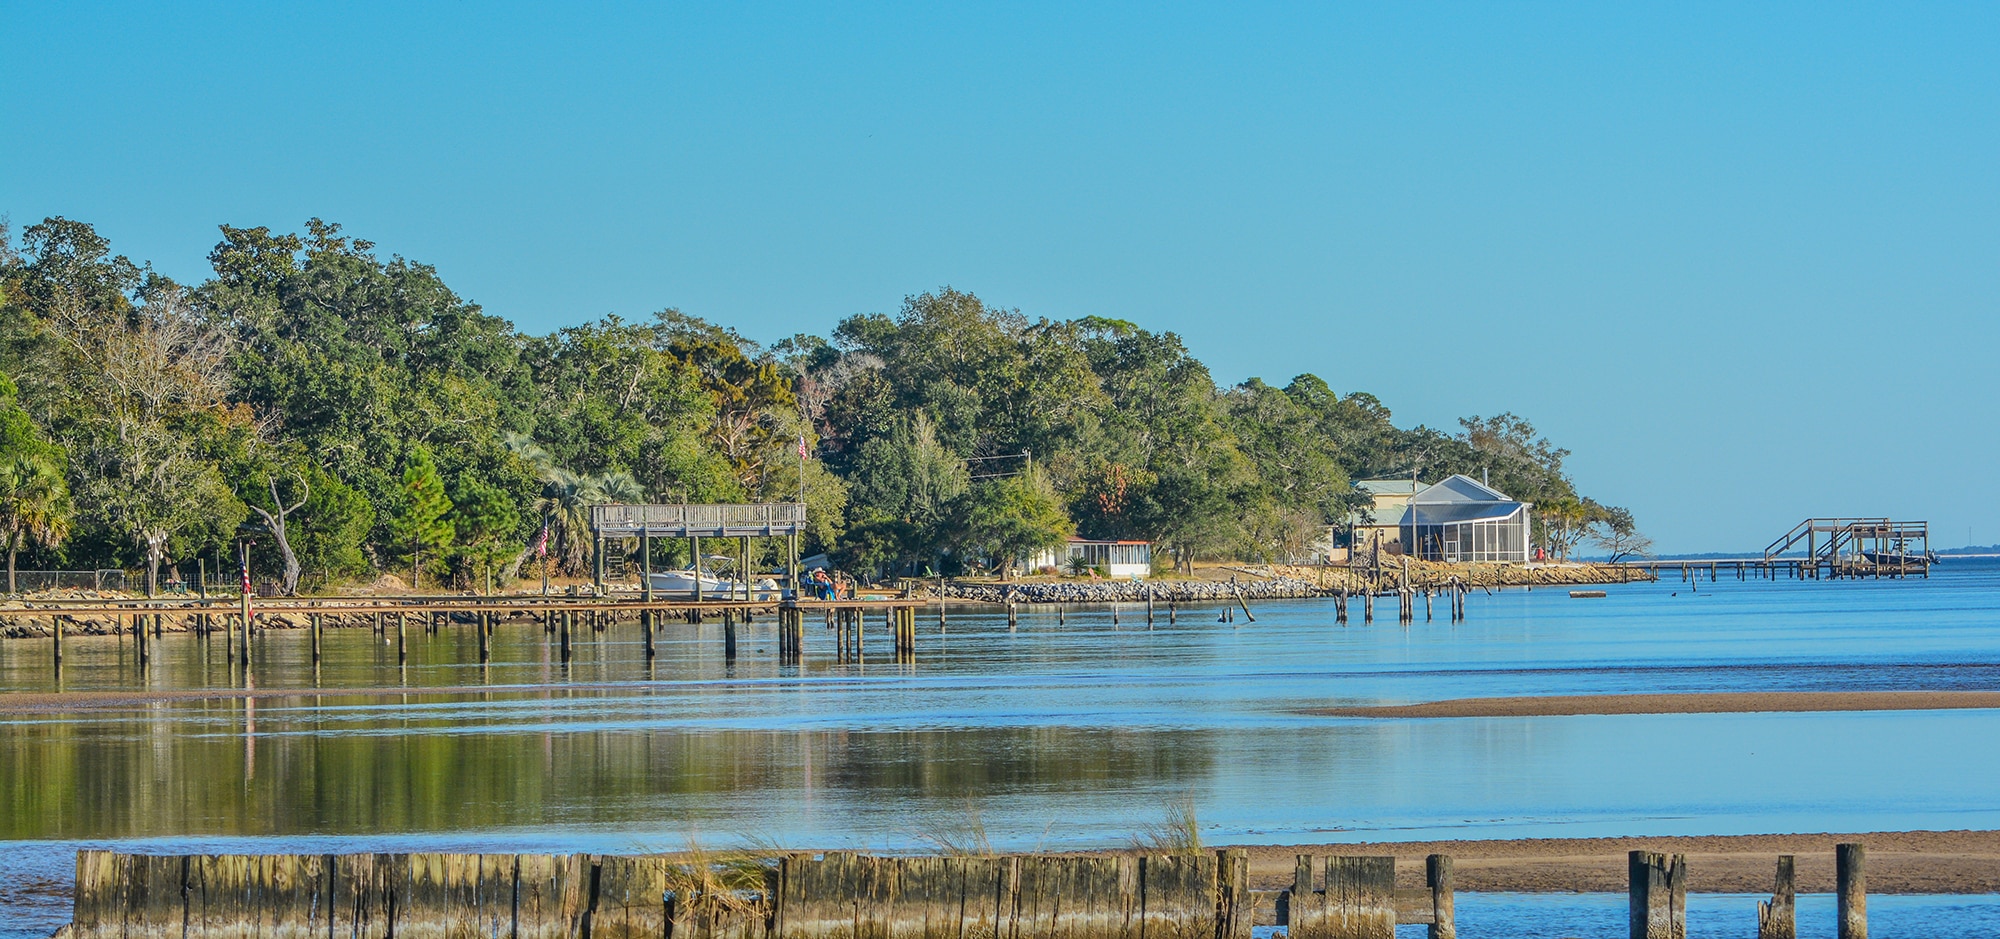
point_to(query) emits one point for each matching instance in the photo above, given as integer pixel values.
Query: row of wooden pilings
(1659, 896)
(834, 896)
(1406, 603)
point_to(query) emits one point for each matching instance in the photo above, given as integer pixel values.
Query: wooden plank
(1236, 907)
(877, 886)
(361, 890)
(942, 885)
(1034, 905)
(97, 900)
(631, 899)
(551, 897)
(155, 900)
(1177, 896)
(1108, 900)
(437, 901)
(1305, 909)
(1360, 897)
(985, 893)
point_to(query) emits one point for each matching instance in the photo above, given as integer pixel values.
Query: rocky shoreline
(1295, 582)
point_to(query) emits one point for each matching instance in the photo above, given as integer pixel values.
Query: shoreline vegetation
(350, 416)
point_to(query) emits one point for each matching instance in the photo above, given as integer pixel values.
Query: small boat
(1899, 559)
(681, 584)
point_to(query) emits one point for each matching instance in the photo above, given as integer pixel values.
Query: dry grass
(956, 834)
(1178, 832)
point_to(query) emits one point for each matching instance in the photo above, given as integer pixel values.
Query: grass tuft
(1178, 832)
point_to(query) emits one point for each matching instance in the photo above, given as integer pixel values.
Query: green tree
(418, 522)
(486, 520)
(34, 493)
(906, 490)
(1009, 519)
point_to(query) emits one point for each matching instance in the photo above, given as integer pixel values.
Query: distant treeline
(360, 417)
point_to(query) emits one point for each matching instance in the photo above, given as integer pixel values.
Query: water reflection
(1067, 732)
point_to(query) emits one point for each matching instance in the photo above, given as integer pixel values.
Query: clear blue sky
(1740, 258)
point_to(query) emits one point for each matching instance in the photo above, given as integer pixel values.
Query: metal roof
(1442, 513)
(1460, 488)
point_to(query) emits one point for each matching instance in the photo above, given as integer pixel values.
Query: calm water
(1049, 735)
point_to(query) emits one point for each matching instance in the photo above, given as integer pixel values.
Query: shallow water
(1049, 735)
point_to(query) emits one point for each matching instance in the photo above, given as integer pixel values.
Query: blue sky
(1740, 259)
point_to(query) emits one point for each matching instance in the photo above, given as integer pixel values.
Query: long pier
(241, 618)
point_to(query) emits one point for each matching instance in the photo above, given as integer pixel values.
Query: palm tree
(566, 500)
(34, 504)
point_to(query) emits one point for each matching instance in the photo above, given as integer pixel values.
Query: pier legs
(1851, 887)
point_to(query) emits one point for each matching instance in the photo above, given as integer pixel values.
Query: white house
(1462, 519)
(1118, 558)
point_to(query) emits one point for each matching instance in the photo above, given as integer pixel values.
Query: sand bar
(1710, 702)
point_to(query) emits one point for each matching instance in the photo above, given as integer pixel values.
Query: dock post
(312, 620)
(479, 621)
(568, 621)
(1149, 603)
(55, 632)
(1428, 593)
(1367, 607)
(647, 615)
(402, 637)
(1851, 884)
(1444, 908)
(1252, 617)
(1658, 902)
(728, 641)
(1778, 919)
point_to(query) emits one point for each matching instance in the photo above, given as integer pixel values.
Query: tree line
(354, 416)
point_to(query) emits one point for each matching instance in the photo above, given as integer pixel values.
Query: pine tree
(420, 521)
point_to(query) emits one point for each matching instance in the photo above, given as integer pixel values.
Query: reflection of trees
(107, 777)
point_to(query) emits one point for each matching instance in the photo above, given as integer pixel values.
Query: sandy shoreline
(1714, 702)
(1898, 862)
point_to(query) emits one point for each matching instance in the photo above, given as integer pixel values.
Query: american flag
(802, 446)
(542, 542)
(248, 606)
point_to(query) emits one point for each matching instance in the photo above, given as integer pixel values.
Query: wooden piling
(1444, 904)
(1360, 897)
(1778, 918)
(1658, 897)
(1851, 890)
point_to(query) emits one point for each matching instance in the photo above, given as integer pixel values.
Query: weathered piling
(1851, 890)
(1778, 918)
(1444, 906)
(1658, 895)
(835, 896)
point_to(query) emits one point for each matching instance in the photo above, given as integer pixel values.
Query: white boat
(681, 584)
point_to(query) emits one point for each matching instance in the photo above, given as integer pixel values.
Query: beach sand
(1713, 702)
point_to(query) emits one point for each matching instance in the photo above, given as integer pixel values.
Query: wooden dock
(241, 620)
